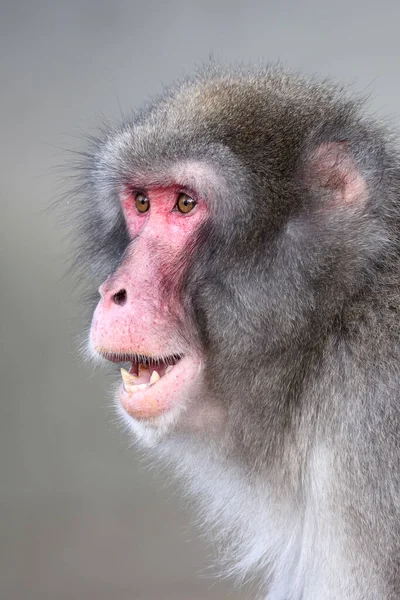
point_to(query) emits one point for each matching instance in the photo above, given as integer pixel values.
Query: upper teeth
(154, 377)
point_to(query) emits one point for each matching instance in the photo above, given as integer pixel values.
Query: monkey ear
(331, 167)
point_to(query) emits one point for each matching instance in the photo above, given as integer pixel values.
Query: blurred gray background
(80, 517)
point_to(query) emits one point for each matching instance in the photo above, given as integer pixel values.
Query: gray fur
(294, 304)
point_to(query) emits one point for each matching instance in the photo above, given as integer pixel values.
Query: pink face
(139, 309)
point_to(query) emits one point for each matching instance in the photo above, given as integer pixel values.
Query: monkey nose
(105, 288)
(110, 297)
(120, 297)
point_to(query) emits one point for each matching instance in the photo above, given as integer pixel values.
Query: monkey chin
(146, 397)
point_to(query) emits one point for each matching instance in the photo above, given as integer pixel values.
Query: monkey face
(139, 311)
(216, 223)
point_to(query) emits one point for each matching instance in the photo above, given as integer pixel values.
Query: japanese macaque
(244, 229)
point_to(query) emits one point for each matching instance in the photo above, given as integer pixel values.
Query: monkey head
(229, 224)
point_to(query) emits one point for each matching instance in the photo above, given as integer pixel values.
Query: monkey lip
(140, 360)
(154, 386)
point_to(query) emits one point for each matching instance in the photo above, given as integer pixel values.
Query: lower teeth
(129, 381)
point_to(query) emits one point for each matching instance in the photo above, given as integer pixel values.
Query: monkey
(243, 229)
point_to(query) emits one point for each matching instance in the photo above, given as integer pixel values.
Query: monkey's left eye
(142, 202)
(185, 203)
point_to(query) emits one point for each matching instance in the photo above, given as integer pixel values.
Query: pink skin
(142, 324)
(167, 393)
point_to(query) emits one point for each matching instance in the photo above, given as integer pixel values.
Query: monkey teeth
(154, 377)
(130, 381)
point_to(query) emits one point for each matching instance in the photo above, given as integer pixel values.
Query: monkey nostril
(120, 297)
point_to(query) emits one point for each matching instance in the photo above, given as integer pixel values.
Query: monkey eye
(142, 202)
(185, 203)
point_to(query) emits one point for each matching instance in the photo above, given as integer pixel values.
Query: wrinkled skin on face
(140, 310)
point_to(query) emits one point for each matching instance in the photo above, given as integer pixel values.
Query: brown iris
(185, 203)
(142, 202)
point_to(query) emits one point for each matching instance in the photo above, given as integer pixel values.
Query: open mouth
(144, 370)
(153, 385)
